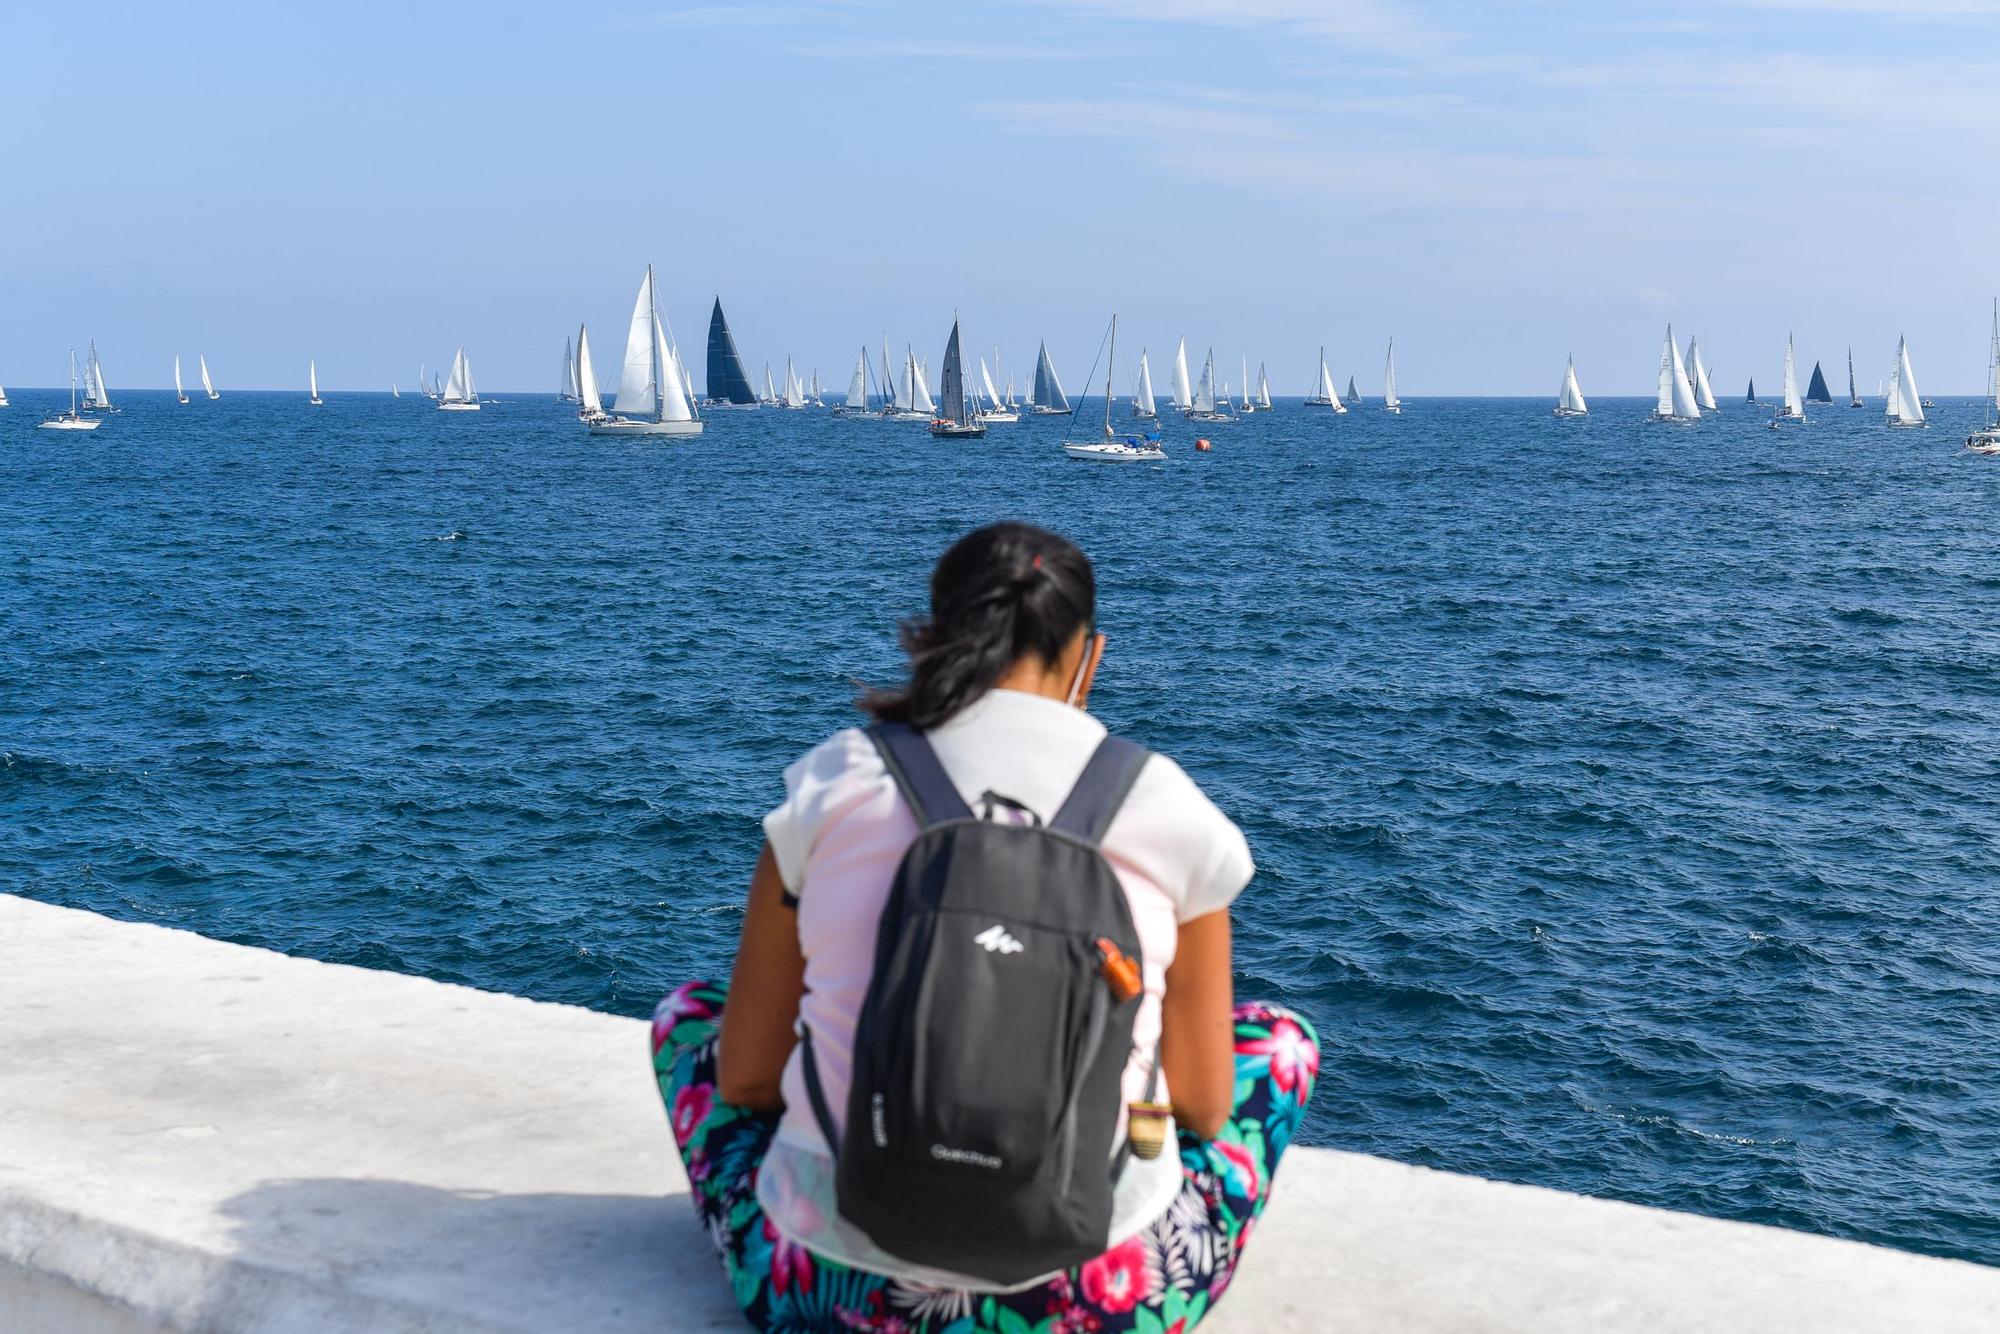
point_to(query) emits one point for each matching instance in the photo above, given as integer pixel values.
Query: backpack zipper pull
(1120, 971)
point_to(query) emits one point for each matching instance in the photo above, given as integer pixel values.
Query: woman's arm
(1197, 1034)
(764, 991)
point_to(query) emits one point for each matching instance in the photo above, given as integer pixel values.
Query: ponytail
(999, 594)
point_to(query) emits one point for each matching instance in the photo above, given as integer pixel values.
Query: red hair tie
(1038, 562)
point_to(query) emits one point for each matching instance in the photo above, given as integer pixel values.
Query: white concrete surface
(200, 1136)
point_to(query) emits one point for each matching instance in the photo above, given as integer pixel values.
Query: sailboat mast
(1110, 360)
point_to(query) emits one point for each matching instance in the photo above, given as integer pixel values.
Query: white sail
(1263, 388)
(795, 396)
(986, 382)
(638, 379)
(920, 391)
(1248, 405)
(676, 404)
(179, 391)
(207, 385)
(567, 383)
(1389, 399)
(1905, 406)
(686, 380)
(1794, 407)
(588, 399)
(892, 392)
(1570, 398)
(458, 389)
(857, 388)
(1204, 393)
(95, 395)
(1676, 399)
(1143, 400)
(1183, 393)
(312, 380)
(1704, 396)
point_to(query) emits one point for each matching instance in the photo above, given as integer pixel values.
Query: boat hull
(458, 407)
(1571, 412)
(72, 424)
(999, 417)
(627, 426)
(1048, 412)
(1984, 442)
(1095, 452)
(906, 416)
(957, 432)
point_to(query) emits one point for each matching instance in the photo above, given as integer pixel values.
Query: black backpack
(990, 1049)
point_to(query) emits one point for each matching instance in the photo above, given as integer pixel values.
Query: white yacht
(1569, 399)
(1676, 397)
(652, 399)
(460, 394)
(1112, 447)
(73, 420)
(1985, 440)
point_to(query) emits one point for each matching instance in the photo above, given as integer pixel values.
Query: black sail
(727, 381)
(1817, 391)
(951, 389)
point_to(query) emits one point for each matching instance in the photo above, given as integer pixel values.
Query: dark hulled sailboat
(728, 383)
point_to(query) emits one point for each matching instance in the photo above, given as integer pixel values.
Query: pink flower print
(691, 1107)
(1294, 1056)
(1118, 1280)
(791, 1263)
(1242, 1168)
(678, 1004)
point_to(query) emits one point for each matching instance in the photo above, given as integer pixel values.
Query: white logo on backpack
(995, 939)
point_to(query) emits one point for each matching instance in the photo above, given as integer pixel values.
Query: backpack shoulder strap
(932, 796)
(1102, 788)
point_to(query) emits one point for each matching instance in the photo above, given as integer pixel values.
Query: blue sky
(1495, 184)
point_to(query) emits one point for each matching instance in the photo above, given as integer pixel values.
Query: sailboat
(590, 403)
(995, 411)
(1750, 394)
(1324, 395)
(424, 381)
(769, 398)
(96, 398)
(180, 393)
(1264, 403)
(1816, 390)
(1569, 399)
(1905, 407)
(312, 383)
(1143, 406)
(1676, 400)
(918, 385)
(1853, 397)
(73, 420)
(856, 404)
(3, 398)
(207, 385)
(1704, 397)
(1205, 408)
(1048, 400)
(566, 383)
(1390, 403)
(728, 382)
(1112, 447)
(791, 396)
(1183, 388)
(1248, 404)
(393, 391)
(1792, 412)
(1353, 394)
(460, 394)
(898, 391)
(954, 420)
(1987, 439)
(813, 398)
(652, 400)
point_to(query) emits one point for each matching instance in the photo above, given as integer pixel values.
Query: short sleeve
(1170, 832)
(819, 786)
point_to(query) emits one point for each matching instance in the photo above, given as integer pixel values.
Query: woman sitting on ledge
(985, 947)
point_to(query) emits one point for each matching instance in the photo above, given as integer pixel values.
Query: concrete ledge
(200, 1136)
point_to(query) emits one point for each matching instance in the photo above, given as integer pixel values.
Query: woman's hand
(1197, 1033)
(764, 991)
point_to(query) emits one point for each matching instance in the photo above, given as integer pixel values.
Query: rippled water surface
(1624, 796)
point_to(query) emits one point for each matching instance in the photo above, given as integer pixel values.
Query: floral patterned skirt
(1161, 1281)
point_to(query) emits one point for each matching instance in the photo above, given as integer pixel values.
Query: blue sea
(1626, 798)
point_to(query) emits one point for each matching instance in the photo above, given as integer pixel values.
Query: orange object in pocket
(1121, 971)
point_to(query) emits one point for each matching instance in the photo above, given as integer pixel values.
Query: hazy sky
(1495, 184)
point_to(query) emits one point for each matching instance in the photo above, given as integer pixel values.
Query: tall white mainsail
(590, 404)
(1327, 393)
(894, 398)
(1390, 402)
(1569, 399)
(1142, 399)
(676, 403)
(639, 378)
(1204, 393)
(1248, 404)
(566, 382)
(312, 381)
(207, 385)
(1676, 400)
(1704, 396)
(1263, 389)
(1183, 391)
(1905, 404)
(458, 390)
(920, 392)
(179, 391)
(986, 382)
(795, 396)
(95, 395)
(1794, 408)
(857, 388)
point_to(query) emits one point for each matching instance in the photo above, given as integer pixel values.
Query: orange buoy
(1201, 446)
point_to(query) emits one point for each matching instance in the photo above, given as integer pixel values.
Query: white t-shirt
(838, 837)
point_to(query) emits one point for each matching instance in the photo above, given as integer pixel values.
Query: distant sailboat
(180, 393)
(728, 382)
(1143, 406)
(460, 394)
(207, 385)
(1569, 399)
(73, 420)
(393, 391)
(996, 410)
(1853, 397)
(96, 398)
(1182, 386)
(1987, 440)
(794, 394)
(898, 391)
(856, 403)
(1792, 412)
(1247, 404)
(1205, 408)
(1324, 395)
(920, 386)
(1750, 394)
(590, 403)
(652, 400)
(954, 420)
(566, 383)
(1676, 398)
(312, 383)
(1904, 406)
(812, 396)
(1816, 390)
(769, 398)
(1390, 403)
(1112, 447)
(1704, 396)
(1353, 394)
(1264, 403)
(3, 398)
(1048, 399)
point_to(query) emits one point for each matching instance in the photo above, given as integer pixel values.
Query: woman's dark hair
(1007, 590)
